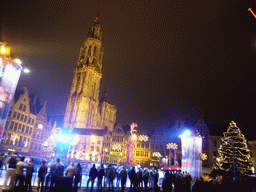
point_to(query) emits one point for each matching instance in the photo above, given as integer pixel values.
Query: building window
(22, 117)
(24, 108)
(142, 146)
(18, 116)
(138, 145)
(92, 148)
(32, 122)
(30, 131)
(20, 141)
(21, 107)
(27, 129)
(14, 114)
(147, 146)
(25, 119)
(19, 128)
(29, 120)
(15, 127)
(23, 128)
(11, 126)
(31, 146)
(142, 153)
(146, 153)
(137, 153)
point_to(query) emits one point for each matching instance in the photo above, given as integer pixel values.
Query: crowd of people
(56, 177)
(19, 174)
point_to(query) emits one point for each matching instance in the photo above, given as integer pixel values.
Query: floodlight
(64, 138)
(186, 133)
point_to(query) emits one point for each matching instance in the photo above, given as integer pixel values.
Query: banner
(9, 77)
(191, 155)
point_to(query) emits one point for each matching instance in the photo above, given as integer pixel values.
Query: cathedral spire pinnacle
(95, 32)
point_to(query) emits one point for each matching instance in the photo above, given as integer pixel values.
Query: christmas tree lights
(234, 154)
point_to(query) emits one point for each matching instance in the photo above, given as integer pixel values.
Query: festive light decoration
(233, 152)
(156, 154)
(204, 157)
(116, 147)
(173, 146)
(143, 138)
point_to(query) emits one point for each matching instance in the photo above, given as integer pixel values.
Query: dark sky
(162, 60)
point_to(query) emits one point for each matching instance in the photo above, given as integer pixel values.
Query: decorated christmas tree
(233, 152)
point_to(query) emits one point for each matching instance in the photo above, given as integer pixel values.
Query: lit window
(40, 126)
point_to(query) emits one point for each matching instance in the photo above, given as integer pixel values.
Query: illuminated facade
(26, 129)
(86, 115)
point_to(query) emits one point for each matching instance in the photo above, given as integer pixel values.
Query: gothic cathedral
(84, 110)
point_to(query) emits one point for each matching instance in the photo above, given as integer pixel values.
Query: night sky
(162, 60)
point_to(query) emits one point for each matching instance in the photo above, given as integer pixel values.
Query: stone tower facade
(84, 109)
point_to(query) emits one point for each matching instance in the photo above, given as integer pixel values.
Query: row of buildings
(28, 127)
(92, 121)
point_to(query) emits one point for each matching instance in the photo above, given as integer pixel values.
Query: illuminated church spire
(82, 108)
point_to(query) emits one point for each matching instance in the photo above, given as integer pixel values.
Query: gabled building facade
(22, 127)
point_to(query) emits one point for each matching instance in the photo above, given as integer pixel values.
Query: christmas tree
(233, 152)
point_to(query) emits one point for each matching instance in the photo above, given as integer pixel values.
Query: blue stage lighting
(64, 138)
(186, 133)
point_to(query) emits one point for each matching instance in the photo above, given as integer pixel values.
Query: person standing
(110, 178)
(133, 179)
(56, 171)
(41, 175)
(123, 176)
(10, 172)
(78, 176)
(19, 176)
(29, 174)
(92, 176)
(139, 179)
(71, 170)
(156, 177)
(145, 176)
(101, 174)
(70, 173)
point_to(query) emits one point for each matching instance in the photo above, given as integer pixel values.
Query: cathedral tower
(82, 109)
